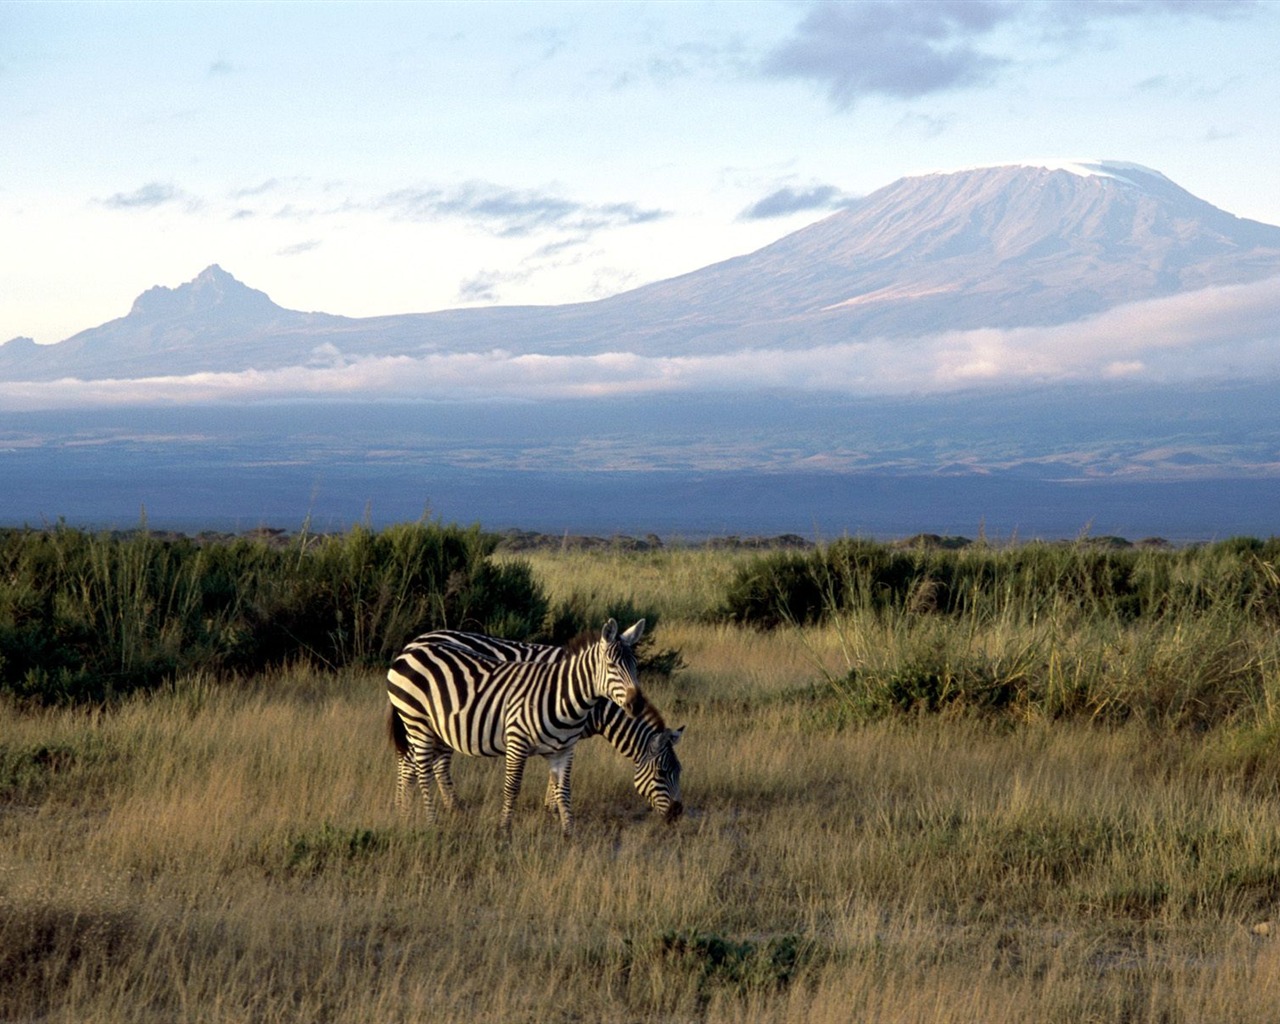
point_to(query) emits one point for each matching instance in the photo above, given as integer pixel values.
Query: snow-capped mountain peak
(1120, 170)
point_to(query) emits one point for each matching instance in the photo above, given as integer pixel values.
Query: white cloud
(515, 213)
(150, 196)
(298, 248)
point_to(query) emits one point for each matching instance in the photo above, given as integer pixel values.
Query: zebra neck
(575, 691)
(629, 736)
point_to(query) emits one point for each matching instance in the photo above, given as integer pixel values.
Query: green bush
(85, 617)
(742, 964)
(1095, 581)
(1175, 638)
(314, 852)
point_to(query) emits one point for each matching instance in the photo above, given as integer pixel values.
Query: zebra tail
(396, 731)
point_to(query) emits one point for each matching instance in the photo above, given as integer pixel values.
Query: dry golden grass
(228, 854)
(675, 582)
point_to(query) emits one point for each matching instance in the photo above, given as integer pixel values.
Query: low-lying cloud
(786, 201)
(1215, 333)
(486, 285)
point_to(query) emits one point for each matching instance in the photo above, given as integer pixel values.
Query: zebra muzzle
(673, 812)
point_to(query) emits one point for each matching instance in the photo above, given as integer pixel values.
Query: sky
(366, 159)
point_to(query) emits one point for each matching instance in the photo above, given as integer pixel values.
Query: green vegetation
(1181, 638)
(1090, 579)
(84, 617)
(960, 783)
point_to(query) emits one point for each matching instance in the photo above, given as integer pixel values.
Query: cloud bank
(900, 50)
(903, 49)
(1216, 333)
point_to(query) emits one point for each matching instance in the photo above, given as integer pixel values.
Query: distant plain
(1185, 464)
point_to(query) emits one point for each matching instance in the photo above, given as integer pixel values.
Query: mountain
(997, 247)
(209, 323)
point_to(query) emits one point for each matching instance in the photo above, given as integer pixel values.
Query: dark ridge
(515, 541)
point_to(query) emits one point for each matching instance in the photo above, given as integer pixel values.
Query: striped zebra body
(446, 697)
(644, 738)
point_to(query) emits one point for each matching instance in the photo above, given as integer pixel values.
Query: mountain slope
(995, 247)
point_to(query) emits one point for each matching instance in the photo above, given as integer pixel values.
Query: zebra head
(658, 774)
(617, 663)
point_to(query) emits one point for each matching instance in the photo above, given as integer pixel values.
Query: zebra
(445, 697)
(644, 738)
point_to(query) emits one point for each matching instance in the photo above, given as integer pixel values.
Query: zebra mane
(581, 642)
(646, 710)
(643, 709)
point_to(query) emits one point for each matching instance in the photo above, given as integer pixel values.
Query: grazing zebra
(648, 742)
(445, 697)
(645, 738)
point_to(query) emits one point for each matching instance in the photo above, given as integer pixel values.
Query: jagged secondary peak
(213, 289)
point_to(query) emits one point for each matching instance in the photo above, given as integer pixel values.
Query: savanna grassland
(921, 784)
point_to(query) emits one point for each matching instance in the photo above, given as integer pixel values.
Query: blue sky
(374, 158)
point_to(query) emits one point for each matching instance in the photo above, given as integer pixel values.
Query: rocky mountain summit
(214, 293)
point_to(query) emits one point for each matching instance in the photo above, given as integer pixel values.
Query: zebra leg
(406, 776)
(550, 802)
(424, 755)
(558, 789)
(444, 779)
(517, 755)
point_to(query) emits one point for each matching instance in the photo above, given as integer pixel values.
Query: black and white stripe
(649, 743)
(446, 697)
(644, 738)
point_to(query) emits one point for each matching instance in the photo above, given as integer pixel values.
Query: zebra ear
(674, 735)
(632, 636)
(609, 632)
